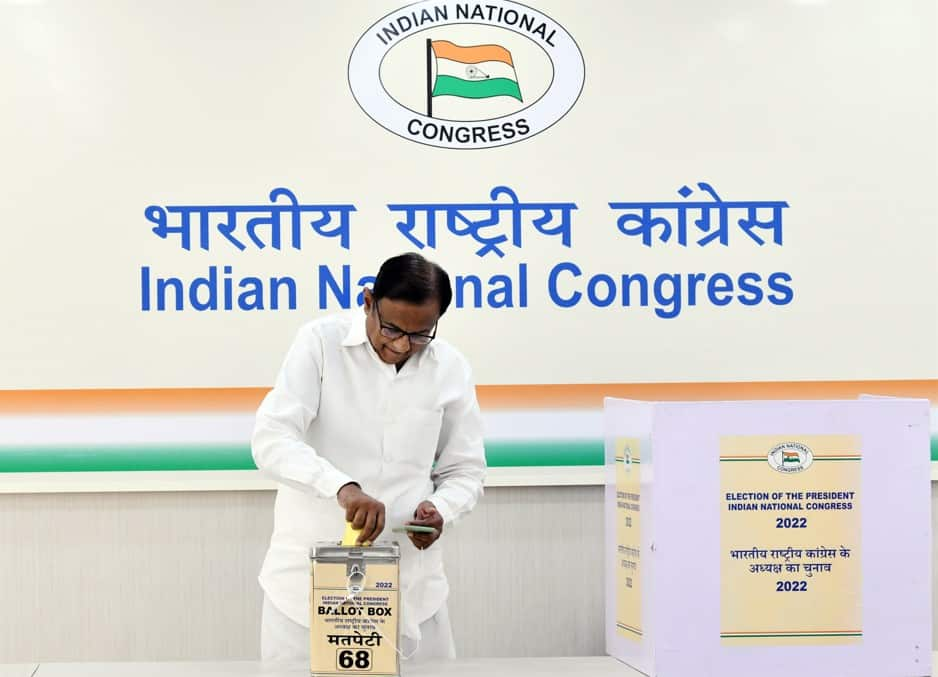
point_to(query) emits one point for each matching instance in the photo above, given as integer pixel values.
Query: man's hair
(412, 278)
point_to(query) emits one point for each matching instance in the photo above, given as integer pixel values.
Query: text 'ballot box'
(769, 538)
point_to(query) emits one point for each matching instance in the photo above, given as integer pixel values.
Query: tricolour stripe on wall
(210, 429)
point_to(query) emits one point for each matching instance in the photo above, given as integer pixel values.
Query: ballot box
(769, 537)
(354, 610)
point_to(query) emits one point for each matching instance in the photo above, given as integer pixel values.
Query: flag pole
(429, 84)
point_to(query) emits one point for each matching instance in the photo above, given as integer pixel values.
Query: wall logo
(466, 75)
(790, 457)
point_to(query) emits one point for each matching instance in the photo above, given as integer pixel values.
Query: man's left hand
(426, 515)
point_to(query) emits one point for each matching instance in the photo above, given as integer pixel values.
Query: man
(373, 420)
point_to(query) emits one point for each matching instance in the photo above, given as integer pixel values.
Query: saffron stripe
(475, 54)
(538, 396)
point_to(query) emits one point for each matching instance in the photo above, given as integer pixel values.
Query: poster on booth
(790, 569)
(628, 539)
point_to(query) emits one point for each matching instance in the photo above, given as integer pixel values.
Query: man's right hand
(363, 511)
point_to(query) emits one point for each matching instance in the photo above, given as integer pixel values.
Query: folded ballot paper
(350, 539)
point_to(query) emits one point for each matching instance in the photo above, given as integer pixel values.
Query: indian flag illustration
(474, 72)
(790, 457)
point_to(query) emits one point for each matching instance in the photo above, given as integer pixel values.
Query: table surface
(18, 669)
(585, 666)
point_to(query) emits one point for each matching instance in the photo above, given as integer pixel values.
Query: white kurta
(338, 414)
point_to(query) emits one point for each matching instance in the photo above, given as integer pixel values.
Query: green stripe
(126, 457)
(522, 453)
(90, 458)
(475, 89)
(823, 634)
(238, 456)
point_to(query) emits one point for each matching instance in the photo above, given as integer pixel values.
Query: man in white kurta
(373, 411)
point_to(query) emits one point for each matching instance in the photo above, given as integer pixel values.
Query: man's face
(386, 318)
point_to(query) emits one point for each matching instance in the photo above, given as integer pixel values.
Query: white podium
(769, 538)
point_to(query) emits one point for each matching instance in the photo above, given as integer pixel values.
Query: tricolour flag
(790, 457)
(477, 72)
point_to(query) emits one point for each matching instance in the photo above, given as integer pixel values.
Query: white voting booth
(769, 537)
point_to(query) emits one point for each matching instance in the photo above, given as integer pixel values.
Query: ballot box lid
(332, 552)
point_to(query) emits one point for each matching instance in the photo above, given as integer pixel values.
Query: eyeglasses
(394, 333)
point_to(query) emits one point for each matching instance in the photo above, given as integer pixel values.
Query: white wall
(110, 108)
(164, 576)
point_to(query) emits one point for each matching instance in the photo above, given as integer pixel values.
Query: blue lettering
(162, 284)
(752, 292)
(627, 281)
(523, 285)
(593, 296)
(672, 301)
(253, 296)
(693, 280)
(476, 283)
(574, 298)
(500, 294)
(327, 282)
(210, 284)
(786, 293)
(275, 284)
(229, 293)
(720, 283)
(145, 288)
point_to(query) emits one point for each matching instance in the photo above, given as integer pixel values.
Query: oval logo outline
(790, 457)
(371, 94)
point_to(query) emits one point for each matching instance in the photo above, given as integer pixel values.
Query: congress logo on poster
(466, 75)
(790, 457)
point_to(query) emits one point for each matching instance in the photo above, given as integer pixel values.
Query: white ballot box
(769, 538)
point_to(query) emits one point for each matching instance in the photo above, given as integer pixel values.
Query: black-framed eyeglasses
(414, 337)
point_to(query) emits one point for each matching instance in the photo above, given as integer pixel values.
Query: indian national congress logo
(466, 75)
(627, 460)
(790, 457)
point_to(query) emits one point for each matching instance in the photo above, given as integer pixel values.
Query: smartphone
(416, 528)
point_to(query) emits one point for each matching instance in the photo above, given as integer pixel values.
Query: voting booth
(769, 537)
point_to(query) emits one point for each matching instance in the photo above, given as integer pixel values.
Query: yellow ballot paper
(350, 539)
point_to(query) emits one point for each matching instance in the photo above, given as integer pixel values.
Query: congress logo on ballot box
(466, 75)
(790, 457)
